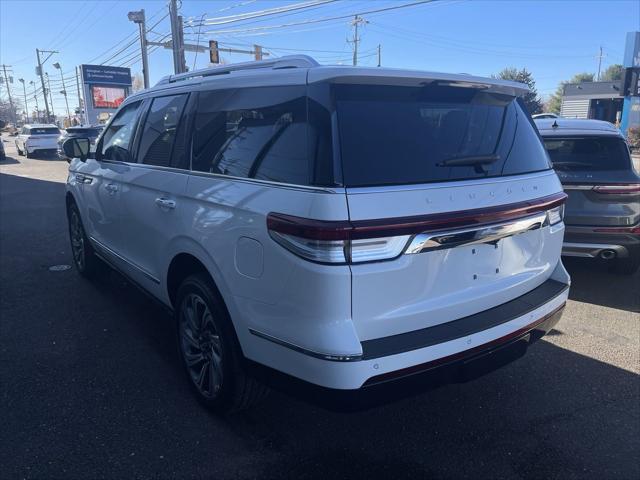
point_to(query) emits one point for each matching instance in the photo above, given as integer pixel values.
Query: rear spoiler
(413, 78)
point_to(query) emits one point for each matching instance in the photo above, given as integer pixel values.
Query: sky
(553, 39)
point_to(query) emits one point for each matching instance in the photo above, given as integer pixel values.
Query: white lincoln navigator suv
(340, 227)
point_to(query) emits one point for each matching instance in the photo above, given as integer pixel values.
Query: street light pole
(64, 90)
(139, 18)
(26, 104)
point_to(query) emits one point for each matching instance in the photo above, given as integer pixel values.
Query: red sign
(107, 97)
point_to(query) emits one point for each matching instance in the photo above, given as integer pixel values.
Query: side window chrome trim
(230, 178)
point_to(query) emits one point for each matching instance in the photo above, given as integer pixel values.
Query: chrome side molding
(423, 242)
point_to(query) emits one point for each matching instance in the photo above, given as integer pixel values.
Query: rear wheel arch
(182, 266)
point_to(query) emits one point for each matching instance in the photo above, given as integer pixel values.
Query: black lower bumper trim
(426, 337)
(404, 383)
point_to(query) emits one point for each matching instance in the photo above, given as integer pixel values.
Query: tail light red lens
(358, 241)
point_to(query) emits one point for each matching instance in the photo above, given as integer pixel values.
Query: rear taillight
(359, 241)
(618, 189)
(332, 242)
(555, 215)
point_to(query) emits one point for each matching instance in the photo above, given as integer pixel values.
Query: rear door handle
(165, 203)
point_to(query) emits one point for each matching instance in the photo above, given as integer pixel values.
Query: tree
(531, 99)
(7, 113)
(612, 73)
(555, 101)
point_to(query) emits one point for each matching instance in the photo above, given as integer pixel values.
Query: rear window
(402, 135)
(588, 153)
(44, 131)
(91, 132)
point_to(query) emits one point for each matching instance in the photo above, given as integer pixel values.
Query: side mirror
(76, 148)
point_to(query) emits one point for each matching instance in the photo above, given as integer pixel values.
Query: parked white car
(42, 138)
(342, 226)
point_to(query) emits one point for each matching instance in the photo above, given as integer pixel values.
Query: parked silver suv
(342, 226)
(602, 213)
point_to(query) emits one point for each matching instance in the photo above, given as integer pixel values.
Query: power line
(264, 13)
(319, 20)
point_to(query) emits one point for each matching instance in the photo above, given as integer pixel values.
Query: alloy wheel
(201, 345)
(77, 240)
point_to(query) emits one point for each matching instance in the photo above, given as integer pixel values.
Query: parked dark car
(602, 213)
(92, 133)
(3, 155)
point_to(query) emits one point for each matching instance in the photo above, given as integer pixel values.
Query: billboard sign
(104, 89)
(106, 75)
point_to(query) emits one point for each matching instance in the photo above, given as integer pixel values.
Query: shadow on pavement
(592, 283)
(92, 387)
(9, 161)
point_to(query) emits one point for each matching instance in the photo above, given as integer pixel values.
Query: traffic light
(214, 56)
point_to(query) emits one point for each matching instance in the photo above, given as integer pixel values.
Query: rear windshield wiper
(471, 160)
(479, 162)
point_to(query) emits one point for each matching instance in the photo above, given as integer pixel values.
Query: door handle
(111, 187)
(165, 203)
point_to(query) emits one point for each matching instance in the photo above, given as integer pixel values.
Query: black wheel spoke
(201, 345)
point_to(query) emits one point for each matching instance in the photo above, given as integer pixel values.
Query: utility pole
(599, 63)
(53, 113)
(139, 18)
(357, 21)
(179, 65)
(40, 73)
(379, 55)
(6, 82)
(26, 104)
(258, 52)
(35, 97)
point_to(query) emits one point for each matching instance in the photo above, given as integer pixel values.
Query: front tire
(18, 149)
(84, 257)
(210, 350)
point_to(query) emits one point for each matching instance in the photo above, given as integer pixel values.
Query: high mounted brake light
(385, 239)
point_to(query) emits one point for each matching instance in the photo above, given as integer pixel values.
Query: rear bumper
(524, 319)
(43, 149)
(591, 242)
(457, 368)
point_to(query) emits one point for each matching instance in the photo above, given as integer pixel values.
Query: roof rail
(289, 61)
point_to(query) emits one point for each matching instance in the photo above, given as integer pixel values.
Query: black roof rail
(289, 61)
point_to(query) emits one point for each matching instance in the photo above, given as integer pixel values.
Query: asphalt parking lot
(91, 387)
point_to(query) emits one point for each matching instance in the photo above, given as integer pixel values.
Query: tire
(18, 149)
(27, 154)
(210, 350)
(84, 257)
(626, 266)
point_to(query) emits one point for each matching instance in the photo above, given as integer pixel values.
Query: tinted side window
(159, 130)
(117, 137)
(253, 133)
